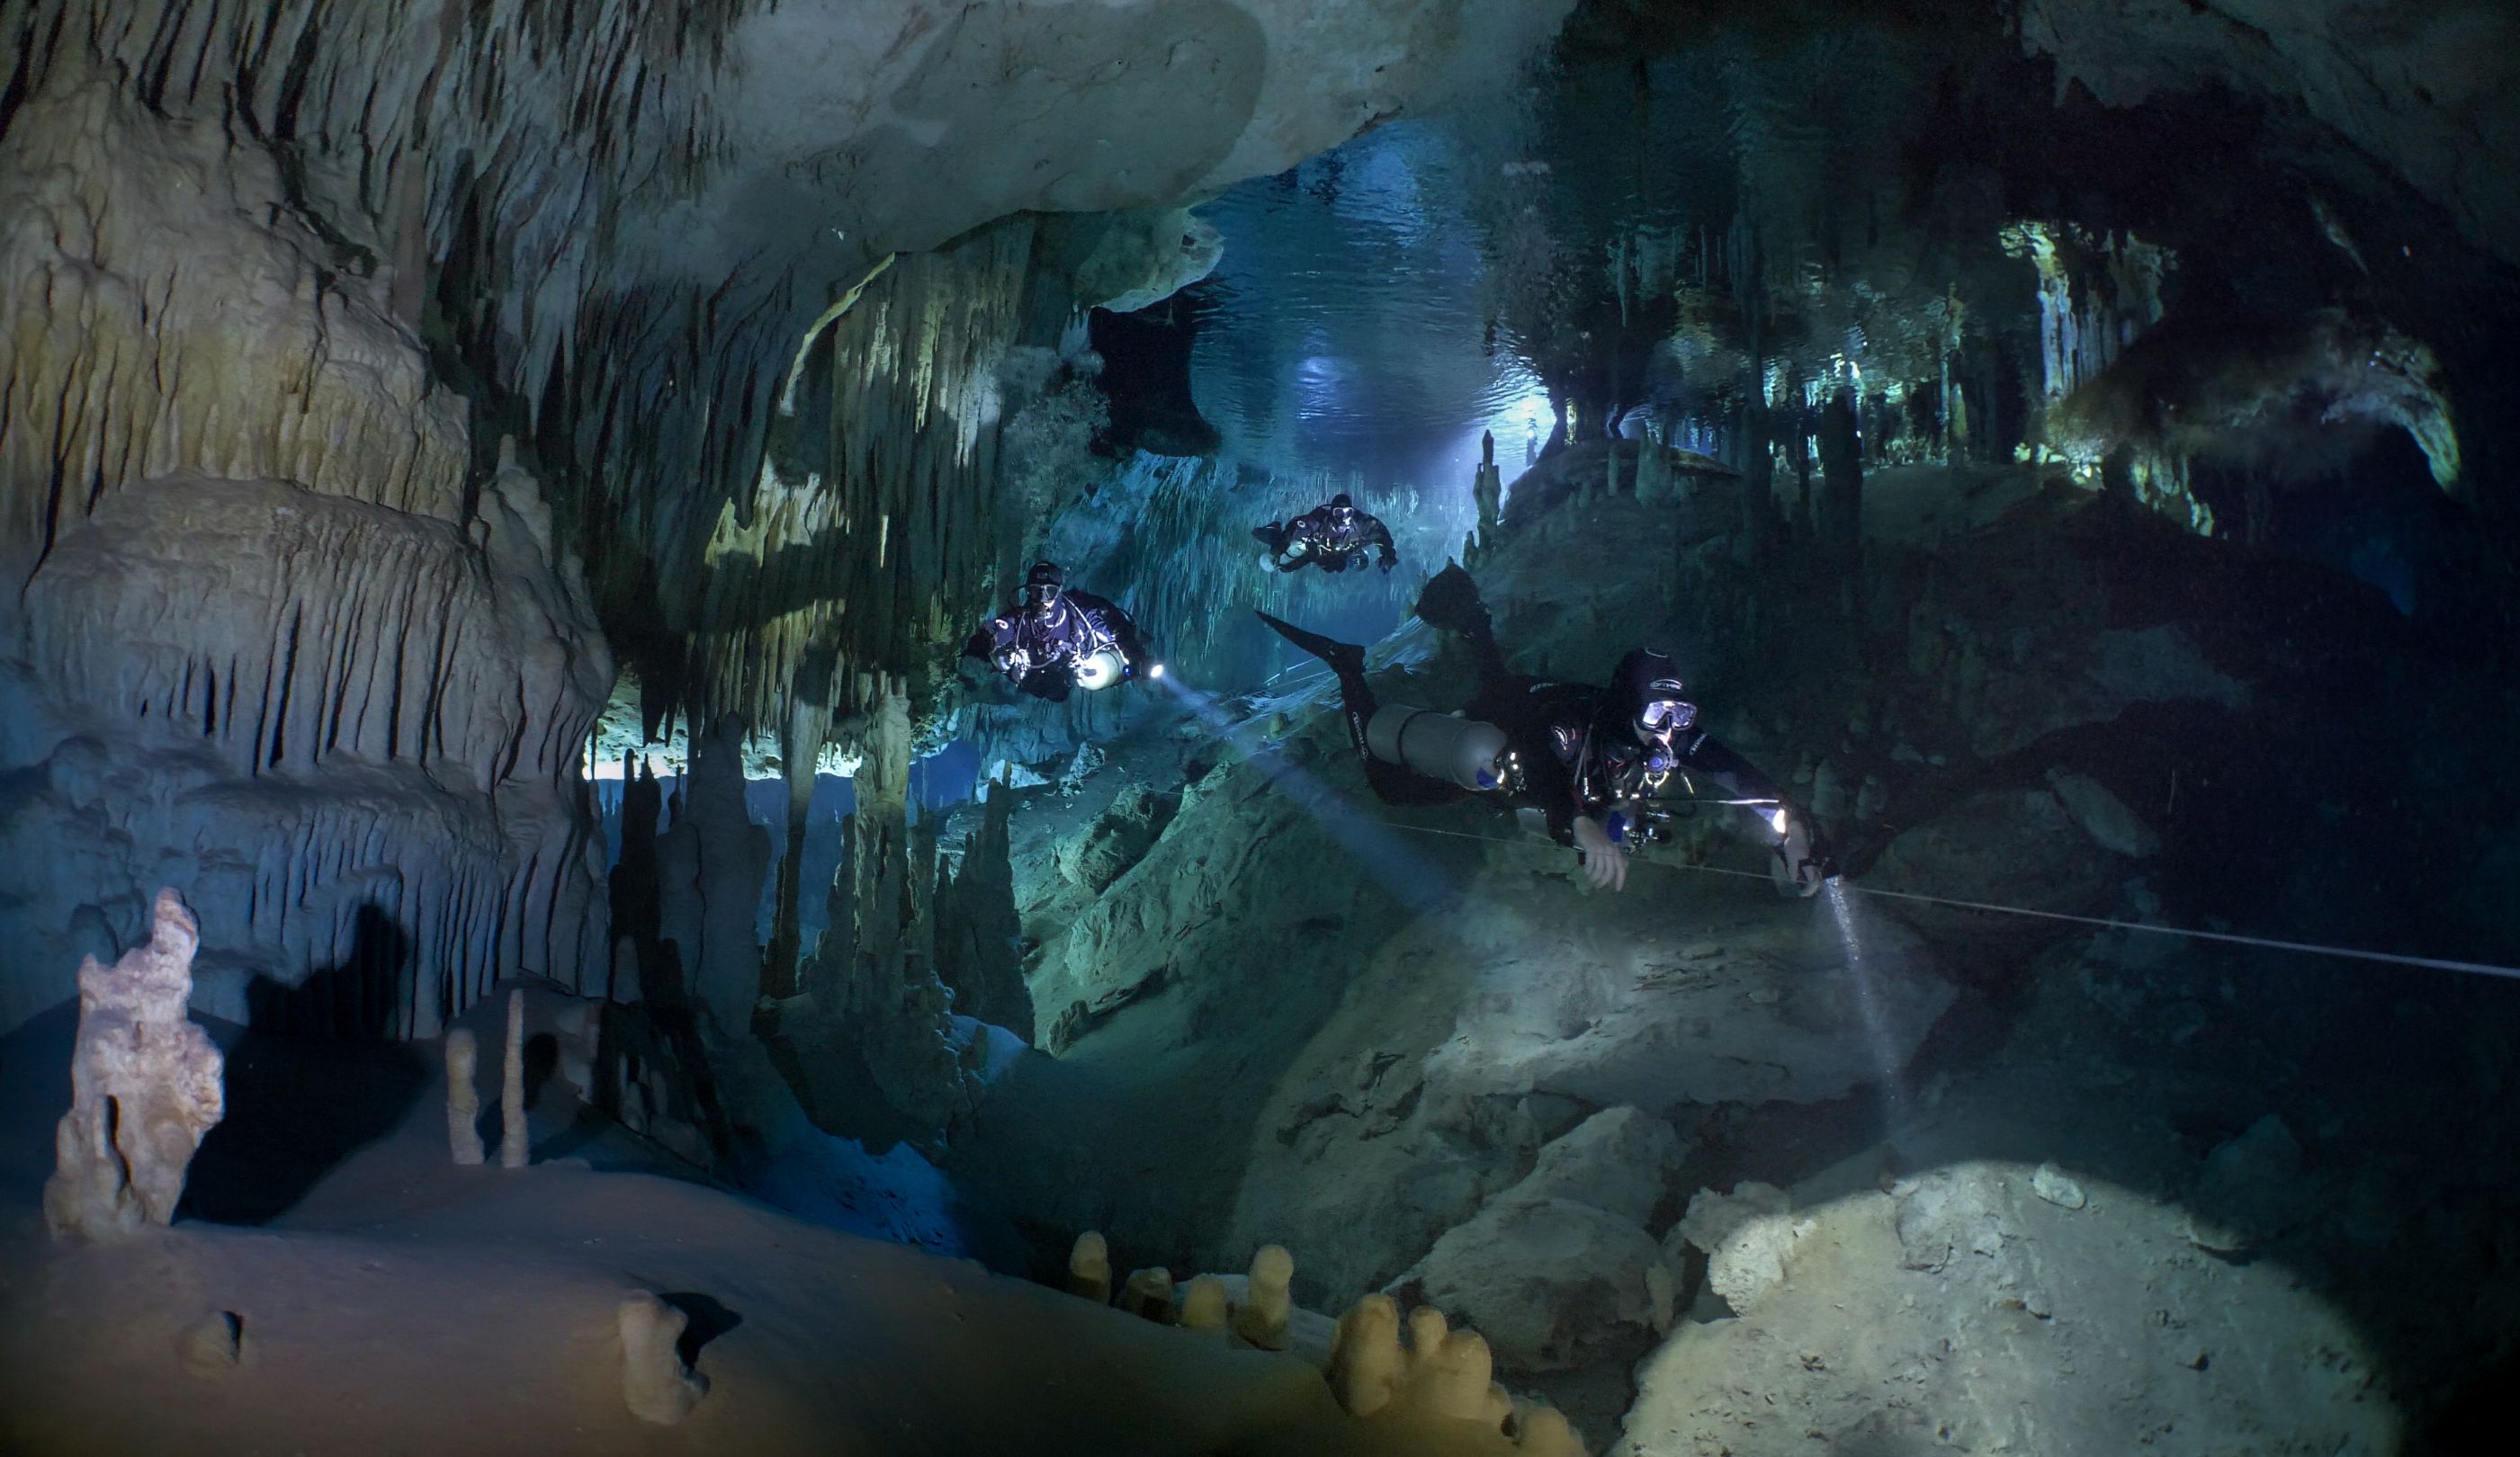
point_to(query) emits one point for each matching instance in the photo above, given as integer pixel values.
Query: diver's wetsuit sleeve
(993, 634)
(1378, 536)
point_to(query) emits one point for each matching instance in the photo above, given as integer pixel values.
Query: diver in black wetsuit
(1333, 537)
(1052, 640)
(1596, 761)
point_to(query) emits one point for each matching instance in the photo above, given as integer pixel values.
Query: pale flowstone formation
(656, 1384)
(144, 1088)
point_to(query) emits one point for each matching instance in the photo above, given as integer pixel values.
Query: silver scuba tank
(1100, 668)
(1439, 745)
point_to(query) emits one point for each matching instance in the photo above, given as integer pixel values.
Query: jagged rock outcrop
(144, 1087)
(1558, 1270)
(1875, 1318)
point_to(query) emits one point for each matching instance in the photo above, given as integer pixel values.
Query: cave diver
(1333, 537)
(1054, 639)
(1599, 766)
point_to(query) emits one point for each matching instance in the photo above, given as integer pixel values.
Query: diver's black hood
(1643, 675)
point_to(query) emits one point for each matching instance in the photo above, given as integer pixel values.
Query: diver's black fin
(1345, 657)
(1272, 536)
(1450, 600)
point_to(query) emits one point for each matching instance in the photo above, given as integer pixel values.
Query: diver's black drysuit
(1039, 651)
(1319, 538)
(1569, 752)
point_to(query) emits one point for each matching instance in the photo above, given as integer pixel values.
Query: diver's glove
(1604, 863)
(1800, 865)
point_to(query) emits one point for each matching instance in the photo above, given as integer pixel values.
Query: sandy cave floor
(406, 1306)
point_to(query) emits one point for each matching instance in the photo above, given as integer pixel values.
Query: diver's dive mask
(1661, 718)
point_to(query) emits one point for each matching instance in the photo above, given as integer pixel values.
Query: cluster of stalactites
(2095, 296)
(513, 150)
(868, 549)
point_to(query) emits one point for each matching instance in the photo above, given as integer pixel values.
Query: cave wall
(2422, 88)
(276, 642)
(341, 333)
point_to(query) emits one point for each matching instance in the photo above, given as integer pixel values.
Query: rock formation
(515, 1139)
(656, 1384)
(1149, 1294)
(463, 1096)
(144, 1088)
(1438, 1372)
(1267, 1305)
(1558, 1270)
(1088, 1268)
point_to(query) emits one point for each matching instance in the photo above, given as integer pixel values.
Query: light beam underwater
(1411, 879)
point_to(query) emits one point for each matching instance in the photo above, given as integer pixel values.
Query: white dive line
(2313, 948)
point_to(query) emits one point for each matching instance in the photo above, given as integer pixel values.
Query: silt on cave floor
(635, 657)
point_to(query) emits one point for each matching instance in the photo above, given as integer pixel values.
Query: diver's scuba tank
(1100, 667)
(1439, 745)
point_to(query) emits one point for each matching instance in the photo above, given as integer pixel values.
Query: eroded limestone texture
(144, 1088)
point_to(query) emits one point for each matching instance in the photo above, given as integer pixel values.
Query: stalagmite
(1203, 1305)
(144, 1088)
(1088, 1268)
(1487, 493)
(1438, 1372)
(1266, 1304)
(462, 1097)
(1150, 1295)
(514, 1148)
(1366, 1359)
(214, 1345)
(656, 1384)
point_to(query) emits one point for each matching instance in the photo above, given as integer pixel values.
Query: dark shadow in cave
(2301, 813)
(1146, 377)
(313, 1077)
(708, 1318)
